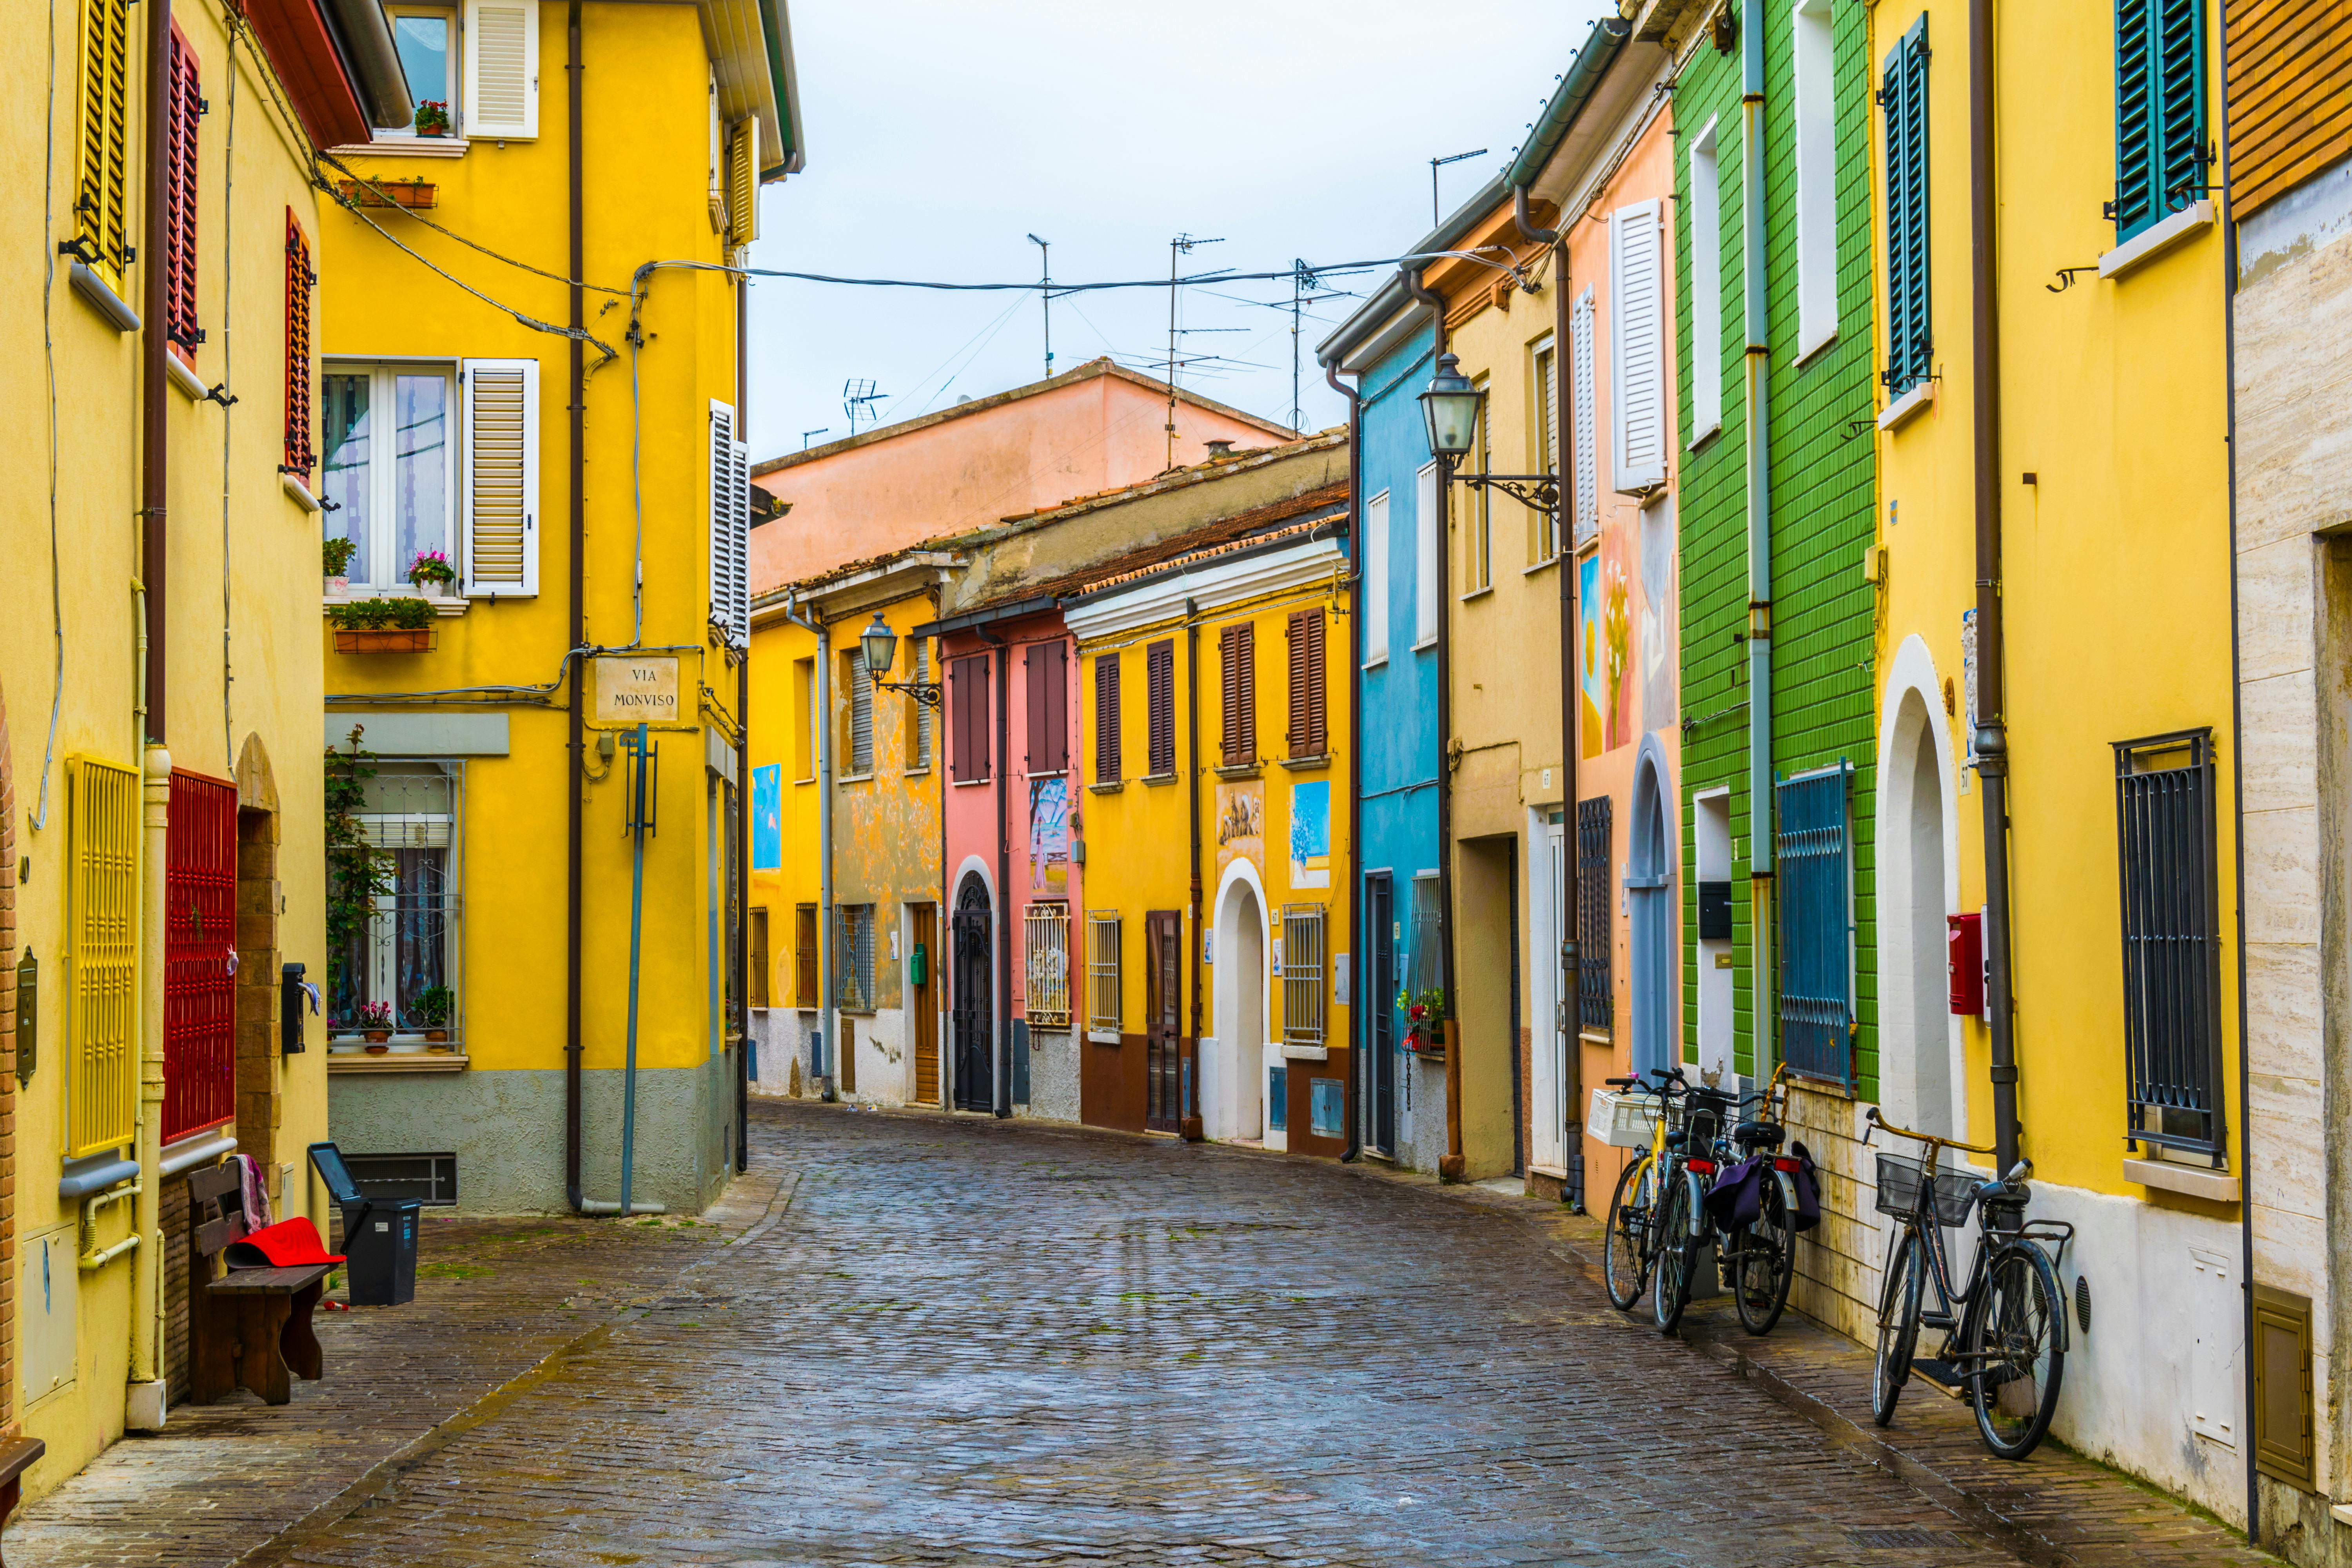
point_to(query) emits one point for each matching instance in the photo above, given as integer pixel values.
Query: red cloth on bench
(287, 1244)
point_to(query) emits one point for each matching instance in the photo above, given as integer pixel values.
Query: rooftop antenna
(1436, 216)
(806, 434)
(858, 396)
(1183, 243)
(1302, 284)
(1045, 292)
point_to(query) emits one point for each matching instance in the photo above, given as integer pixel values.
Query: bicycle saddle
(1677, 1139)
(1758, 1134)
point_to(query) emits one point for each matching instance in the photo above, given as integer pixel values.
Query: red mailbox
(1964, 964)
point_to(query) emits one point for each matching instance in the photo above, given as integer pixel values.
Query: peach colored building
(1098, 428)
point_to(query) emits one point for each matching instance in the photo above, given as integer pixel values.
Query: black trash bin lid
(335, 1173)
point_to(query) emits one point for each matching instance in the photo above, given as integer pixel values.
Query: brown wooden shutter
(1106, 759)
(958, 698)
(1056, 656)
(1159, 670)
(300, 455)
(1236, 654)
(804, 955)
(1319, 724)
(1033, 723)
(1294, 739)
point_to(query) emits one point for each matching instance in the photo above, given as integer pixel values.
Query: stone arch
(1922, 1074)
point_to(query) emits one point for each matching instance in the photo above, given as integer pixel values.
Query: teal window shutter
(2160, 142)
(1903, 94)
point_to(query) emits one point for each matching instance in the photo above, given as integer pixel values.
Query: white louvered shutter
(731, 530)
(501, 475)
(1425, 605)
(1587, 445)
(501, 82)
(1638, 367)
(743, 183)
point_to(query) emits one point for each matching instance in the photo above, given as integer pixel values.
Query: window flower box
(383, 625)
(395, 639)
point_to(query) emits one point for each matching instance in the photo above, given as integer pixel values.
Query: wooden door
(972, 998)
(924, 999)
(1163, 1052)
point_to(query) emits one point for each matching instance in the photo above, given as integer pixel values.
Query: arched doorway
(1649, 914)
(1234, 1090)
(973, 1000)
(1916, 1063)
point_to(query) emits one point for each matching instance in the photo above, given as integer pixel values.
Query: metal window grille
(1045, 963)
(758, 958)
(804, 956)
(1102, 973)
(2171, 930)
(103, 924)
(1596, 994)
(199, 942)
(300, 278)
(858, 717)
(853, 958)
(1428, 952)
(1302, 975)
(1816, 910)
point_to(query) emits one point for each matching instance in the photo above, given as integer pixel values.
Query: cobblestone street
(909, 1338)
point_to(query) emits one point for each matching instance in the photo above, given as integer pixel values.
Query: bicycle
(1631, 1244)
(1759, 1261)
(2005, 1351)
(1684, 1225)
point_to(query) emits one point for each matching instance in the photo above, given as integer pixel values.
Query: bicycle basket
(1621, 1120)
(1899, 1189)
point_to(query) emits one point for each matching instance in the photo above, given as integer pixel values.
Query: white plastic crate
(1621, 1120)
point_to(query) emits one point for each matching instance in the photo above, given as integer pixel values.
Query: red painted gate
(199, 956)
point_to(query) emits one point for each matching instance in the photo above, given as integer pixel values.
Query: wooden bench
(16, 1457)
(250, 1328)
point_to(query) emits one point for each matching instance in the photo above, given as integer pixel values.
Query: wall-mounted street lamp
(1450, 409)
(880, 646)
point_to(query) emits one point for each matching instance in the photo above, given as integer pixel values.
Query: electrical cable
(227, 322)
(953, 356)
(40, 818)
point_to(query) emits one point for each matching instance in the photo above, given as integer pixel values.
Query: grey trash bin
(379, 1235)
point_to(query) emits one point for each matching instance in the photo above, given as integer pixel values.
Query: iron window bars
(1045, 948)
(855, 955)
(1816, 909)
(1595, 994)
(1102, 973)
(2170, 885)
(1302, 975)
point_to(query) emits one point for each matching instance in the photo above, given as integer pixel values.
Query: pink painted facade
(1095, 428)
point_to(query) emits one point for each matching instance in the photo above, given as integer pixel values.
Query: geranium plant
(375, 1017)
(431, 566)
(1424, 1014)
(381, 614)
(432, 117)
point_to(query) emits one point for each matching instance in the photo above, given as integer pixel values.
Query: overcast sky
(942, 132)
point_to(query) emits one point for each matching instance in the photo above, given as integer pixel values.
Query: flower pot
(436, 1050)
(378, 1049)
(435, 1037)
(379, 1037)
(384, 639)
(335, 587)
(431, 588)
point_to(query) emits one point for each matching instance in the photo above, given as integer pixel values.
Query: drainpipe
(575, 569)
(743, 785)
(143, 1407)
(820, 698)
(1356, 987)
(154, 466)
(1755, 369)
(1571, 1087)
(1992, 722)
(1450, 1167)
(1190, 1126)
(1001, 1099)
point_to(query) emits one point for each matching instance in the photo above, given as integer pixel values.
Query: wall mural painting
(1240, 823)
(1310, 834)
(1657, 658)
(1049, 837)
(1605, 617)
(768, 817)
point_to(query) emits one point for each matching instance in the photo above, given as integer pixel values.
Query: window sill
(406, 146)
(866, 777)
(1103, 1037)
(1111, 788)
(2156, 239)
(2189, 1180)
(1313, 765)
(452, 1060)
(447, 605)
(101, 298)
(1596, 1037)
(918, 773)
(1236, 770)
(1424, 644)
(1908, 406)
(1546, 565)
(1378, 661)
(1157, 779)
(1704, 436)
(1048, 773)
(184, 380)
(1477, 593)
(298, 493)
(1807, 353)
(972, 783)
(1291, 1052)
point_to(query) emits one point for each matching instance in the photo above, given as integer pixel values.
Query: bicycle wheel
(1898, 1325)
(1767, 1251)
(2014, 1359)
(1625, 1263)
(1677, 1256)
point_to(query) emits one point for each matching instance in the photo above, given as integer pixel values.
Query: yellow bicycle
(1632, 1248)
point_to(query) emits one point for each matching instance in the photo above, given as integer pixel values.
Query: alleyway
(925, 1341)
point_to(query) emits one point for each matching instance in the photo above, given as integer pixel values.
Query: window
(743, 183)
(2160, 154)
(187, 94)
(919, 712)
(967, 705)
(1816, 178)
(1376, 580)
(1425, 558)
(805, 985)
(1159, 682)
(853, 958)
(2171, 928)
(388, 471)
(1595, 995)
(405, 956)
(1427, 970)
(1543, 542)
(1309, 733)
(1910, 342)
(1705, 286)
(1046, 964)
(1477, 532)
(1046, 669)
(1237, 673)
(1102, 973)
(102, 155)
(1107, 760)
(1637, 372)
(804, 719)
(301, 456)
(759, 965)
(1302, 975)
(1816, 910)
(483, 74)
(199, 941)
(1588, 443)
(425, 38)
(857, 714)
(103, 924)
(730, 530)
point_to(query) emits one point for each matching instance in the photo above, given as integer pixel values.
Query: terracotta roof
(1301, 515)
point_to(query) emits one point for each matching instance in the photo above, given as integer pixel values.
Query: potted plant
(375, 1017)
(337, 560)
(381, 626)
(431, 1008)
(1424, 1014)
(432, 117)
(431, 574)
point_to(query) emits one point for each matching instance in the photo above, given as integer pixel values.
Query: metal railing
(1102, 973)
(1302, 975)
(1045, 951)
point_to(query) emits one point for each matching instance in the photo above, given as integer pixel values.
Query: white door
(1548, 1112)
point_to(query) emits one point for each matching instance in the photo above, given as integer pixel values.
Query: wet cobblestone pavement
(917, 1340)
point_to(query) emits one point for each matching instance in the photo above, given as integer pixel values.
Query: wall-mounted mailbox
(1714, 912)
(291, 997)
(28, 1015)
(1964, 964)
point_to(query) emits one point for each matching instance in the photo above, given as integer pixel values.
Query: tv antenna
(858, 396)
(1045, 293)
(1182, 245)
(1436, 216)
(806, 434)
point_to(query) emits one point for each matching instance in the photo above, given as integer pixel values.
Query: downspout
(1357, 988)
(1991, 724)
(1571, 1087)
(154, 466)
(1450, 1167)
(1755, 372)
(1189, 1122)
(1002, 1099)
(743, 785)
(575, 568)
(824, 720)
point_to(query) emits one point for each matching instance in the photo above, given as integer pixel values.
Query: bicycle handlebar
(1877, 1121)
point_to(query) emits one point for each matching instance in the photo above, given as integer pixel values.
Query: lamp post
(1450, 409)
(879, 646)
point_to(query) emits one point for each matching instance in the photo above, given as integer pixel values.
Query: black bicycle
(1756, 1256)
(2004, 1346)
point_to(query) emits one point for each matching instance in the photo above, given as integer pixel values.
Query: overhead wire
(39, 817)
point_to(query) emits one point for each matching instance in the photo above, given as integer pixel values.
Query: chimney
(1220, 449)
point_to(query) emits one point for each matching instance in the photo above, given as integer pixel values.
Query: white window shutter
(731, 530)
(1588, 445)
(718, 162)
(1637, 367)
(1424, 565)
(501, 475)
(1376, 579)
(744, 184)
(501, 81)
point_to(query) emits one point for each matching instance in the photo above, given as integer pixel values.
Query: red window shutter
(299, 280)
(1106, 759)
(1318, 722)
(186, 97)
(1055, 657)
(1161, 679)
(199, 940)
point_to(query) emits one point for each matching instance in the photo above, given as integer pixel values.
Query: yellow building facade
(566, 907)
(2103, 525)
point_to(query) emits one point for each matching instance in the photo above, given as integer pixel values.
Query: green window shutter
(2160, 155)
(1903, 93)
